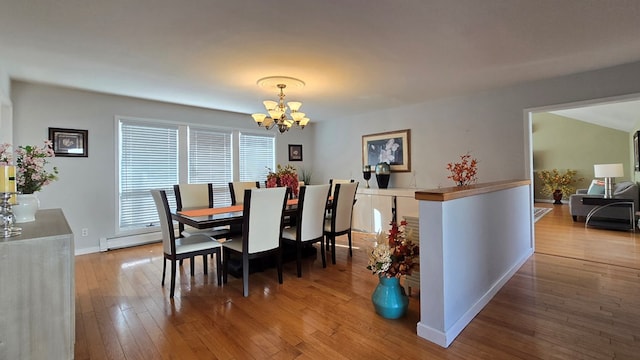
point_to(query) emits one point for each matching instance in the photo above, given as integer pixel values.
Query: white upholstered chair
(261, 231)
(192, 196)
(176, 249)
(237, 188)
(334, 182)
(309, 227)
(340, 222)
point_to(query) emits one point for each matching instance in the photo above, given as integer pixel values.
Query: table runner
(222, 210)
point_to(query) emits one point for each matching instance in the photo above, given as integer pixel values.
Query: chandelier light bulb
(294, 105)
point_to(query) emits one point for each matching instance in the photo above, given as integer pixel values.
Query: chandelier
(281, 116)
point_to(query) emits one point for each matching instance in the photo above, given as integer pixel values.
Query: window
(148, 160)
(150, 157)
(257, 153)
(210, 161)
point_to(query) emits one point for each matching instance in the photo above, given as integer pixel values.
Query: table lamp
(609, 172)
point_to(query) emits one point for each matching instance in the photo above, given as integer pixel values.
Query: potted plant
(464, 172)
(31, 176)
(558, 184)
(392, 256)
(283, 176)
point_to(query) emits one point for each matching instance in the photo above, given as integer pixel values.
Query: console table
(37, 295)
(605, 222)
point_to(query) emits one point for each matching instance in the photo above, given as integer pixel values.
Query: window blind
(210, 161)
(257, 155)
(148, 160)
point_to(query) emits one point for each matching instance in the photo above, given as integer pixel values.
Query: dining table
(206, 218)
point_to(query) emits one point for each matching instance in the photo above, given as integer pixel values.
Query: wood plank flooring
(577, 297)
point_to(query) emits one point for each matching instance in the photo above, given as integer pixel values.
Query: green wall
(564, 143)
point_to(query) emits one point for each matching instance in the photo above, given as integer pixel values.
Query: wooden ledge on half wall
(457, 192)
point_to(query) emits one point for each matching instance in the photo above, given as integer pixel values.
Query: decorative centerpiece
(383, 173)
(558, 185)
(283, 176)
(31, 176)
(464, 172)
(392, 256)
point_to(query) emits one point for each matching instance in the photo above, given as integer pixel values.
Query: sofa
(623, 189)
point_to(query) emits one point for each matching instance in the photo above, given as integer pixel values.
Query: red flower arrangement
(394, 254)
(283, 176)
(465, 172)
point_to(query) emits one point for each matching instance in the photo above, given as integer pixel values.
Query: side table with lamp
(598, 216)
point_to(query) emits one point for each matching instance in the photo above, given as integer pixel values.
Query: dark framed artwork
(295, 152)
(393, 147)
(69, 142)
(636, 151)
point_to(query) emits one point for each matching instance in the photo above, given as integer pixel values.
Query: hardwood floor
(577, 297)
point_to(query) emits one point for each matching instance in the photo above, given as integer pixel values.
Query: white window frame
(183, 166)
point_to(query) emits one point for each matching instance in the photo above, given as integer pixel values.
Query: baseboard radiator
(119, 242)
(412, 231)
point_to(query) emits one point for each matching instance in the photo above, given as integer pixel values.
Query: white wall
(6, 111)
(489, 124)
(86, 189)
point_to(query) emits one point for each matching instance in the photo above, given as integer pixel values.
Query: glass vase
(25, 210)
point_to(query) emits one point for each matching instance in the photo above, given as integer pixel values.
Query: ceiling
(354, 56)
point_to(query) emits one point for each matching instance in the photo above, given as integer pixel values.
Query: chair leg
(173, 278)
(192, 264)
(204, 264)
(299, 257)
(349, 236)
(333, 249)
(245, 276)
(218, 254)
(164, 269)
(279, 262)
(575, 218)
(225, 267)
(322, 252)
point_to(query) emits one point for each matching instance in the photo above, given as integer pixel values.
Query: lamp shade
(608, 170)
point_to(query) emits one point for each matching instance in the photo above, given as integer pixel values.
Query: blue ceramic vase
(389, 298)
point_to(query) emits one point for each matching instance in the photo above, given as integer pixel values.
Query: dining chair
(332, 184)
(340, 221)
(176, 249)
(237, 188)
(193, 196)
(309, 227)
(261, 231)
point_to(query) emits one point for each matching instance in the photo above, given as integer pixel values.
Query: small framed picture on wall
(295, 152)
(69, 142)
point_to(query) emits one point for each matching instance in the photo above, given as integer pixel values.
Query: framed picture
(295, 152)
(636, 151)
(392, 147)
(69, 142)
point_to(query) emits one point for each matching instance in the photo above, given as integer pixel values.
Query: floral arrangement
(553, 180)
(388, 152)
(393, 254)
(464, 172)
(283, 176)
(31, 174)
